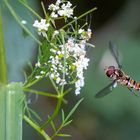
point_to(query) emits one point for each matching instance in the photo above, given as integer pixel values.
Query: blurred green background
(113, 117)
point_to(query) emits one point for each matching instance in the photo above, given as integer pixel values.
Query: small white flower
(54, 15)
(53, 7)
(24, 22)
(62, 82)
(65, 10)
(42, 26)
(56, 32)
(54, 51)
(42, 72)
(80, 31)
(52, 75)
(84, 62)
(58, 80)
(58, 2)
(89, 32)
(38, 77)
(68, 4)
(38, 64)
(78, 88)
(42, 33)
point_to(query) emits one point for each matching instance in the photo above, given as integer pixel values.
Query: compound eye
(109, 73)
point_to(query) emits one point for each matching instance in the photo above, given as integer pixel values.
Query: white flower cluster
(81, 64)
(42, 26)
(67, 61)
(61, 9)
(76, 62)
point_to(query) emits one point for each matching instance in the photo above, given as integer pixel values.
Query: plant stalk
(3, 69)
(11, 106)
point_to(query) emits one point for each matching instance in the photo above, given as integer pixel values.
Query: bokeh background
(113, 117)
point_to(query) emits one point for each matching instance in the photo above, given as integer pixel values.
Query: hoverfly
(117, 75)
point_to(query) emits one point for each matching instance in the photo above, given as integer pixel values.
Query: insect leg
(133, 92)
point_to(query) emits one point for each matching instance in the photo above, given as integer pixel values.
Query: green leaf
(73, 109)
(30, 66)
(67, 123)
(63, 116)
(35, 114)
(63, 135)
(37, 128)
(53, 125)
(90, 45)
(17, 18)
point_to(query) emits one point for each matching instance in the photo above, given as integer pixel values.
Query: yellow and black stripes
(132, 84)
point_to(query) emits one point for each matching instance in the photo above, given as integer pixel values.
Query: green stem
(18, 20)
(64, 63)
(93, 9)
(30, 9)
(67, 91)
(3, 69)
(54, 85)
(57, 131)
(41, 93)
(43, 7)
(27, 85)
(37, 128)
(57, 108)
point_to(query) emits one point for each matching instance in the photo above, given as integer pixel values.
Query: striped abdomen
(132, 84)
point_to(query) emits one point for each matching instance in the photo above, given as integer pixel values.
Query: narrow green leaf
(19, 21)
(44, 10)
(52, 124)
(67, 91)
(35, 114)
(63, 135)
(37, 128)
(63, 116)
(24, 3)
(57, 108)
(30, 66)
(25, 75)
(86, 13)
(90, 45)
(73, 109)
(67, 123)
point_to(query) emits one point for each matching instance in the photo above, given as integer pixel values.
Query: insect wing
(106, 90)
(114, 51)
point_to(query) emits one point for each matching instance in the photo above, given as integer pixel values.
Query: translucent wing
(114, 51)
(106, 90)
